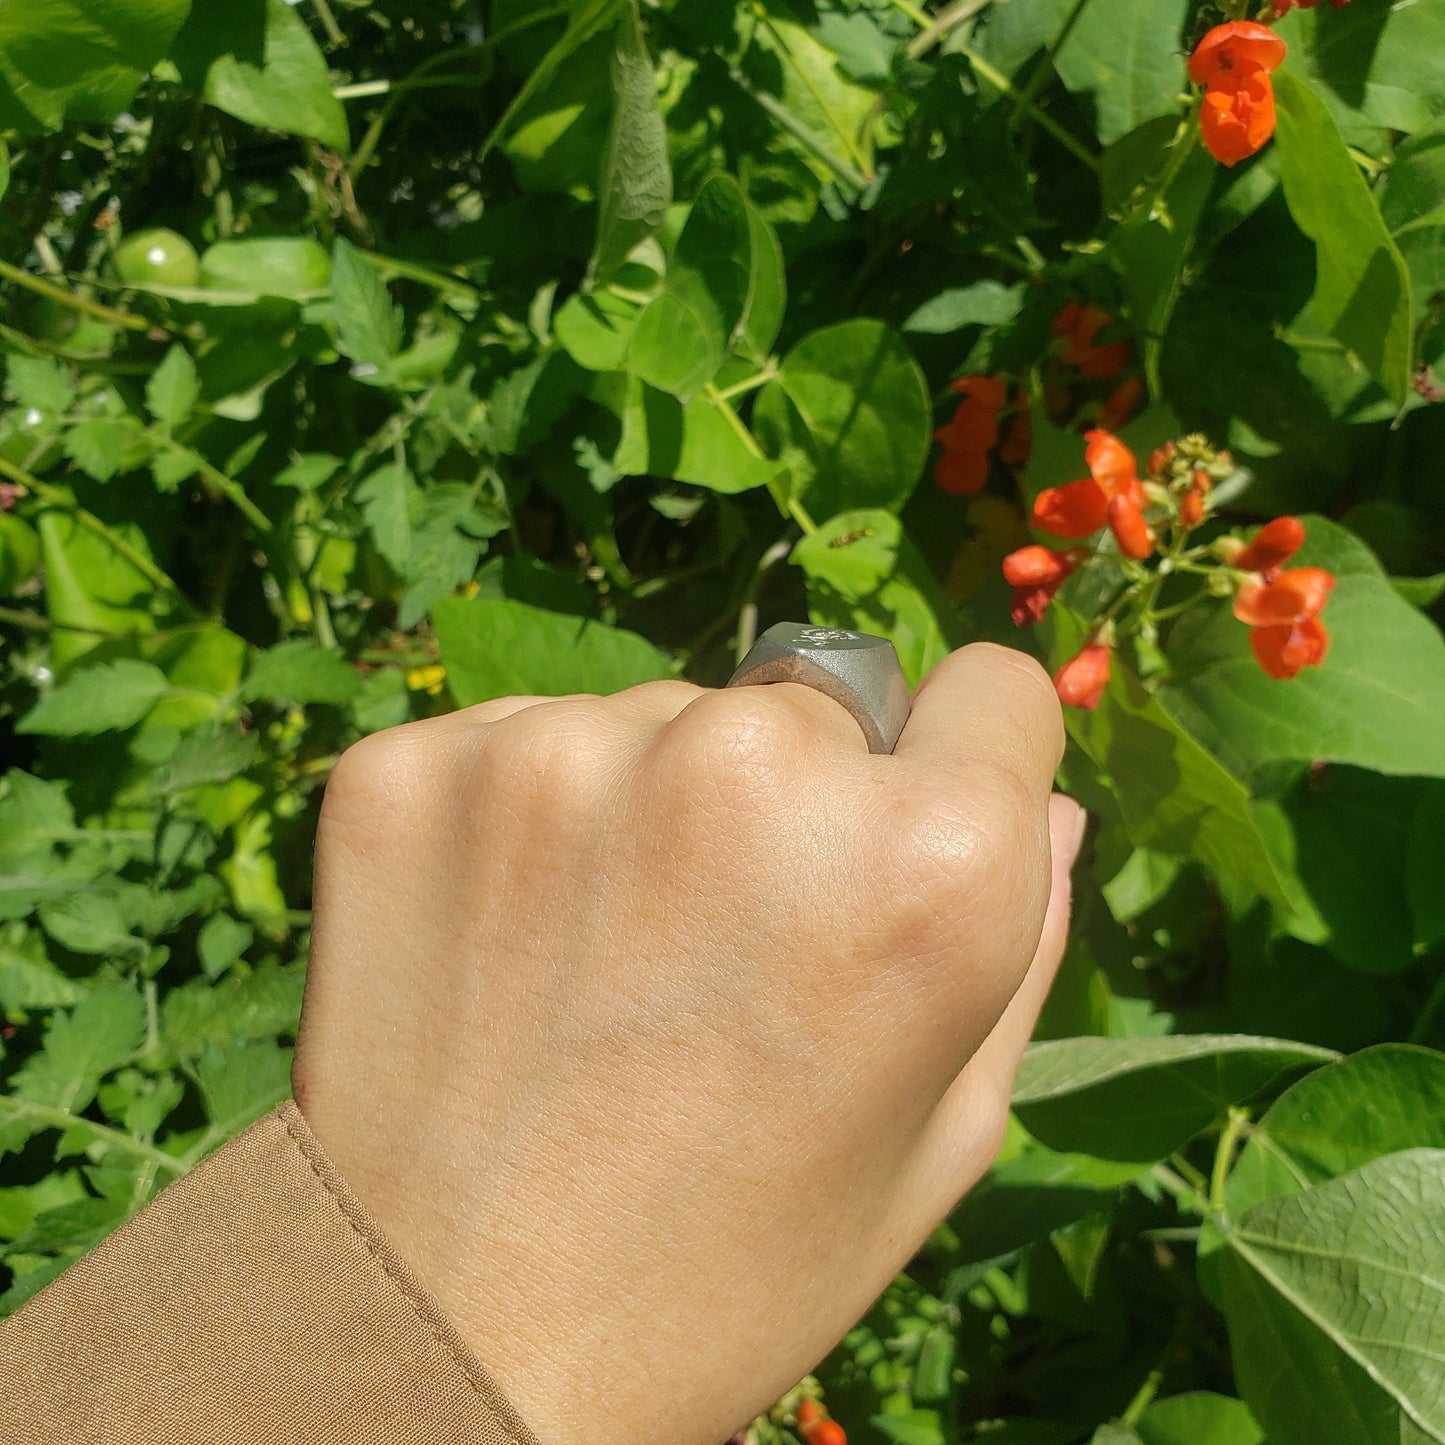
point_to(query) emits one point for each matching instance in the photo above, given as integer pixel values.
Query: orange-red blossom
(816, 1428)
(972, 433)
(1081, 680)
(1282, 608)
(1111, 495)
(1233, 63)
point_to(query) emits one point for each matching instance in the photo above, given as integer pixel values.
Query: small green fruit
(157, 257)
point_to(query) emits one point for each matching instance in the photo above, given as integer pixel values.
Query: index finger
(991, 706)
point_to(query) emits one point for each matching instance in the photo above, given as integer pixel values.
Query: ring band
(853, 668)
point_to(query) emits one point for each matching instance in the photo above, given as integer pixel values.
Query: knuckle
(386, 771)
(553, 749)
(738, 734)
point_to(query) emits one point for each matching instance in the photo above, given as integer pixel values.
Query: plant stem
(233, 491)
(920, 18)
(748, 612)
(328, 23)
(54, 1118)
(1234, 1129)
(942, 24)
(50, 290)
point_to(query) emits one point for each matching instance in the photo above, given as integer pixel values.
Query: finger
(968, 1123)
(498, 708)
(987, 705)
(791, 713)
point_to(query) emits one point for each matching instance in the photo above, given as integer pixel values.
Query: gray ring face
(853, 668)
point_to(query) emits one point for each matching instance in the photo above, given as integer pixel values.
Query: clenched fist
(658, 1031)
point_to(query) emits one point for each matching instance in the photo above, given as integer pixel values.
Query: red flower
(967, 439)
(1284, 598)
(1238, 116)
(816, 1428)
(1191, 504)
(1273, 545)
(1121, 403)
(1077, 326)
(1079, 509)
(1240, 47)
(1080, 681)
(1233, 63)
(1130, 529)
(1283, 652)
(1036, 573)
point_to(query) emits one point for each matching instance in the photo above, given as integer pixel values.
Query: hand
(659, 1031)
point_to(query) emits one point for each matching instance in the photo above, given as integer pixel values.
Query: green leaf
(258, 1005)
(1362, 286)
(299, 671)
(864, 574)
(172, 391)
(768, 289)
(497, 648)
(291, 266)
(636, 187)
(97, 699)
(256, 60)
(1333, 1299)
(1174, 796)
(32, 381)
(687, 330)
(985, 303)
(1375, 702)
(702, 442)
(82, 56)
(1129, 56)
(1425, 865)
(388, 497)
(1199, 1418)
(854, 401)
(1377, 67)
(99, 1035)
(595, 328)
(241, 1081)
(221, 941)
(102, 445)
(1377, 1102)
(1140, 1099)
(368, 325)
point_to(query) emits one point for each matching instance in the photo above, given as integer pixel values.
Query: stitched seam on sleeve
(404, 1286)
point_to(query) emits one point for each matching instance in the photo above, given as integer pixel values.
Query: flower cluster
(816, 1428)
(1128, 520)
(1233, 63)
(972, 435)
(1076, 331)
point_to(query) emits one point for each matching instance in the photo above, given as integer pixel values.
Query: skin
(659, 1031)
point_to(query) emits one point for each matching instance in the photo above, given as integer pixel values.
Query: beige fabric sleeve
(253, 1302)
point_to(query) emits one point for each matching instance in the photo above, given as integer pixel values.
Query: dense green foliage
(363, 359)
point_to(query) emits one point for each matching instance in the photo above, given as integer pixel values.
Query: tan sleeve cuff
(253, 1302)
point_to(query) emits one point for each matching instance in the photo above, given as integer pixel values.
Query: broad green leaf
(1351, 840)
(854, 401)
(498, 648)
(101, 446)
(1199, 1418)
(172, 391)
(768, 289)
(299, 671)
(257, 1005)
(256, 60)
(1129, 56)
(241, 1081)
(221, 941)
(984, 303)
(864, 574)
(81, 56)
(1140, 1099)
(702, 442)
(1012, 33)
(687, 330)
(1376, 66)
(1334, 1302)
(1362, 286)
(97, 699)
(636, 186)
(1377, 1102)
(1174, 796)
(368, 325)
(1376, 701)
(98, 1035)
(595, 328)
(1413, 205)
